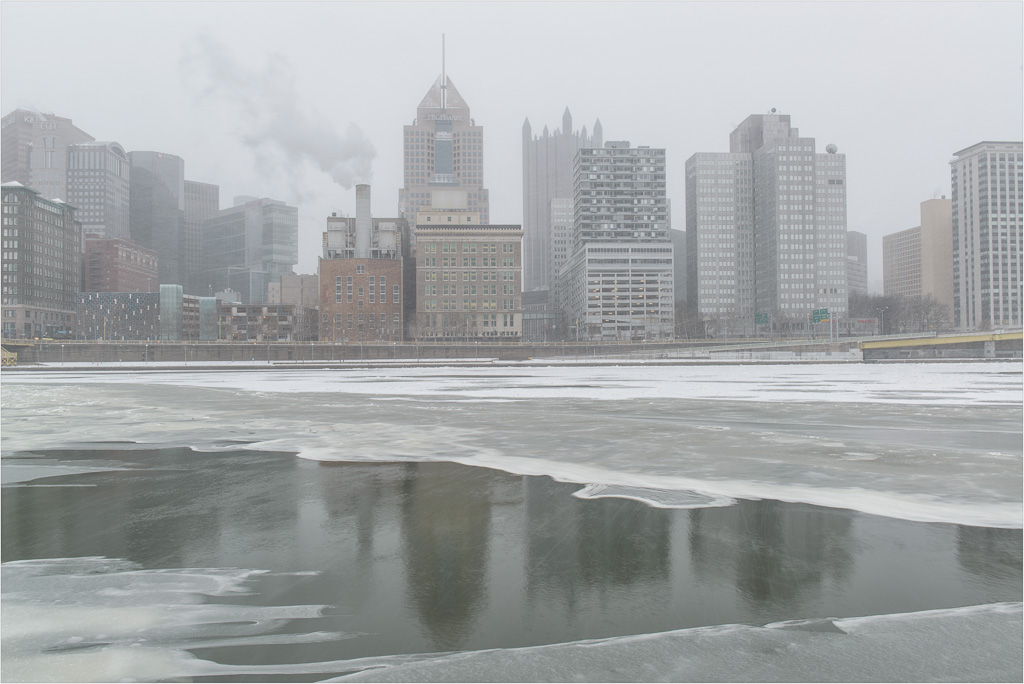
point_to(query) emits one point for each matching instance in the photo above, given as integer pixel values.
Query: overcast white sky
(270, 98)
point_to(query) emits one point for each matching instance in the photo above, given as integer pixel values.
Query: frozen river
(620, 523)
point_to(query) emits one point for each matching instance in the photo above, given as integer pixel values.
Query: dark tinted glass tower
(157, 210)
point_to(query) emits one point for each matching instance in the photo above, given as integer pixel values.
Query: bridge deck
(952, 339)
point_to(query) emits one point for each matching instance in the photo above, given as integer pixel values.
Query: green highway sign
(820, 315)
(760, 318)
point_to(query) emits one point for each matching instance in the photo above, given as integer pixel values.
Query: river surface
(807, 523)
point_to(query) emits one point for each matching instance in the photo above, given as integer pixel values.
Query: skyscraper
(157, 210)
(988, 234)
(547, 176)
(444, 148)
(202, 201)
(720, 234)
(35, 151)
(856, 262)
(766, 225)
(618, 281)
(98, 185)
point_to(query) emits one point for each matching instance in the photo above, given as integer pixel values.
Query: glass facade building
(247, 246)
(157, 210)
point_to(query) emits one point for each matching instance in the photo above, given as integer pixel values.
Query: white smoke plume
(272, 117)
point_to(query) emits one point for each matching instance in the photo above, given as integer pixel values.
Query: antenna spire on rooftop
(444, 79)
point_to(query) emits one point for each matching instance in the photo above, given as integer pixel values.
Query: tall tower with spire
(547, 175)
(444, 149)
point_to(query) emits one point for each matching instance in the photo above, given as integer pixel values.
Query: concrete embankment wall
(173, 352)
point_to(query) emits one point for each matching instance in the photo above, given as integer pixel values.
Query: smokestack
(364, 224)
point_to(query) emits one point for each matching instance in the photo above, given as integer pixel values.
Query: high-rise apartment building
(42, 263)
(35, 151)
(202, 201)
(918, 262)
(856, 262)
(98, 185)
(988, 189)
(362, 297)
(766, 225)
(547, 178)
(618, 281)
(248, 245)
(444, 148)
(468, 276)
(157, 210)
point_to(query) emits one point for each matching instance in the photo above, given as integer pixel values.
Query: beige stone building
(918, 262)
(468, 274)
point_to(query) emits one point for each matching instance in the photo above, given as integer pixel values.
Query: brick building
(361, 293)
(118, 265)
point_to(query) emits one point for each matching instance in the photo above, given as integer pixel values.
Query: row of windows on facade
(468, 289)
(383, 297)
(471, 276)
(469, 305)
(485, 320)
(429, 135)
(426, 195)
(469, 262)
(351, 318)
(466, 247)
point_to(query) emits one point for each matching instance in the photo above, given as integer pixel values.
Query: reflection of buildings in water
(990, 554)
(352, 495)
(44, 522)
(577, 545)
(622, 541)
(775, 553)
(170, 514)
(551, 542)
(446, 513)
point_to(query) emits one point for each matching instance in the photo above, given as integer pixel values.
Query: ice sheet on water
(906, 383)
(845, 436)
(658, 498)
(103, 619)
(973, 644)
(26, 470)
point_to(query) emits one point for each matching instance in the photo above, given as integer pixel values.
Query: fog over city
(300, 101)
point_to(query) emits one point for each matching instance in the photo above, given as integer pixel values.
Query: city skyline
(291, 121)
